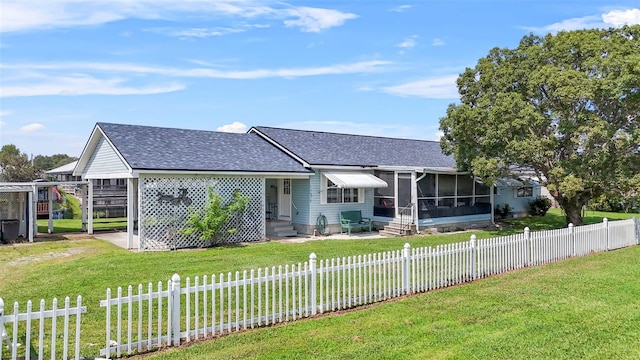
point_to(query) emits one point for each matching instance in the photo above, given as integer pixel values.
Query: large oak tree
(565, 106)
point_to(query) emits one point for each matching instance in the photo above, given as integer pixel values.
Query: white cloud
(2, 123)
(203, 32)
(443, 87)
(316, 19)
(28, 15)
(5, 113)
(336, 69)
(82, 85)
(401, 8)
(32, 127)
(437, 42)
(125, 79)
(234, 127)
(407, 43)
(438, 135)
(619, 18)
(614, 18)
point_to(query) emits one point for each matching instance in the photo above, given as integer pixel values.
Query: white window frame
(325, 193)
(524, 190)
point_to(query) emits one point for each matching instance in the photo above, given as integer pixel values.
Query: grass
(88, 267)
(62, 226)
(583, 308)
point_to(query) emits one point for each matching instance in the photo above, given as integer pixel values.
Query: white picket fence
(44, 323)
(225, 303)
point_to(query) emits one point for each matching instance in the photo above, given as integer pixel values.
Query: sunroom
(432, 197)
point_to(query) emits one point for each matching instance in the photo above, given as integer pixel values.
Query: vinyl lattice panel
(165, 203)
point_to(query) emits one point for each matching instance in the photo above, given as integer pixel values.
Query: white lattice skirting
(165, 202)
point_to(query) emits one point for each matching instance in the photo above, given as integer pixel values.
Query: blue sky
(375, 67)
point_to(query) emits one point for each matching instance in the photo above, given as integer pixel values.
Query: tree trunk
(572, 209)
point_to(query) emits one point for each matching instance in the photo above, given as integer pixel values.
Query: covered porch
(432, 197)
(19, 204)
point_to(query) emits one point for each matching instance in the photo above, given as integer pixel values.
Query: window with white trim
(336, 195)
(525, 191)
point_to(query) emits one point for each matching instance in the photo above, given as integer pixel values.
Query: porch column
(130, 211)
(90, 208)
(264, 208)
(50, 196)
(414, 200)
(32, 215)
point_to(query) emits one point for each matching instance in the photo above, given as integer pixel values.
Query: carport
(18, 201)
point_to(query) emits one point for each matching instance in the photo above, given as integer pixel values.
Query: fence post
(636, 229)
(312, 274)
(175, 310)
(474, 250)
(406, 258)
(527, 248)
(605, 222)
(573, 239)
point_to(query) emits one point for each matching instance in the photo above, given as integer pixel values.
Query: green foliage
(562, 106)
(625, 198)
(539, 206)
(45, 163)
(210, 221)
(15, 166)
(502, 211)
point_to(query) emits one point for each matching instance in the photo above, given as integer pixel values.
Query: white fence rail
(21, 328)
(225, 303)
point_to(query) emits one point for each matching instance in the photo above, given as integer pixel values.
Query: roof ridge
(345, 134)
(171, 128)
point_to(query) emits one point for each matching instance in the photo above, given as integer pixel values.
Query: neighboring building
(291, 175)
(109, 195)
(517, 193)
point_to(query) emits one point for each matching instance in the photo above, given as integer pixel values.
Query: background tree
(47, 163)
(15, 166)
(565, 106)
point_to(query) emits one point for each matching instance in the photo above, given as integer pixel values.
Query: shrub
(502, 211)
(539, 206)
(210, 221)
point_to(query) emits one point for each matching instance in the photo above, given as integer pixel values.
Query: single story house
(292, 176)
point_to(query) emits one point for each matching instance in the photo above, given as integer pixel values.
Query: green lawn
(583, 308)
(61, 226)
(88, 267)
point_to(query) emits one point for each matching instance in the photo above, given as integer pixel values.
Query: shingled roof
(325, 148)
(159, 148)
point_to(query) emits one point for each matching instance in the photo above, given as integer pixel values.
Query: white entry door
(284, 199)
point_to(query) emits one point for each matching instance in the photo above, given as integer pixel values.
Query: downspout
(493, 221)
(424, 173)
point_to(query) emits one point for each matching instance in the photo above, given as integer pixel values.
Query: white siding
(105, 163)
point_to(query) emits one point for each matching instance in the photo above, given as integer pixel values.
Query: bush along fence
(146, 318)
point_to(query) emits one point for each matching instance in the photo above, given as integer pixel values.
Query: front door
(284, 199)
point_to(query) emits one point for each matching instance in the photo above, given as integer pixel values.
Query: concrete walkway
(119, 238)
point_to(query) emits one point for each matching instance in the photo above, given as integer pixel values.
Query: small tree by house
(212, 220)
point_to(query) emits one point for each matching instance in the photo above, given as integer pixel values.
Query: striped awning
(355, 180)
